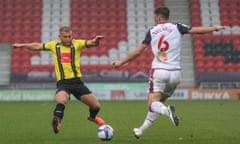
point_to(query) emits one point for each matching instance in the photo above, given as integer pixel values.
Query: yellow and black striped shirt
(66, 59)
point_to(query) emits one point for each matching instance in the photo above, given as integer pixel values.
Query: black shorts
(73, 86)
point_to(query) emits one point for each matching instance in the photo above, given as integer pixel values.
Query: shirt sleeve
(147, 39)
(49, 45)
(182, 28)
(80, 43)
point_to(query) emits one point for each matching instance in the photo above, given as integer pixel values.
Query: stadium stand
(20, 25)
(224, 43)
(123, 24)
(87, 18)
(218, 51)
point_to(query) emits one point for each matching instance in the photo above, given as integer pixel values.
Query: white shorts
(165, 81)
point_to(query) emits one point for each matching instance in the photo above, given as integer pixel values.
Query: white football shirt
(165, 41)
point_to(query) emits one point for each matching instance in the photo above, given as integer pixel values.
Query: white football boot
(137, 132)
(173, 117)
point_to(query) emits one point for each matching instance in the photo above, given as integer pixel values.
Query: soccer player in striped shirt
(66, 57)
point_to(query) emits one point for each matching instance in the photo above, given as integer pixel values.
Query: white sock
(150, 118)
(159, 108)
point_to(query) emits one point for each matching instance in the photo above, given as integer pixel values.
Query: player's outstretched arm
(134, 54)
(205, 29)
(95, 41)
(31, 46)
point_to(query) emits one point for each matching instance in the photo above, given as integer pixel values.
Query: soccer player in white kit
(165, 40)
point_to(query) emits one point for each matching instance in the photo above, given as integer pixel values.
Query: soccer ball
(105, 132)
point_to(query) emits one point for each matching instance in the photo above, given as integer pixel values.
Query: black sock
(93, 113)
(59, 110)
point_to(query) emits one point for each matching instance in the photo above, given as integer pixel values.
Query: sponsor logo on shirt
(66, 58)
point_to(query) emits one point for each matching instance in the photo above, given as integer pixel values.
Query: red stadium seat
(199, 57)
(237, 67)
(209, 59)
(109, 20)
(235, 21)
(106, 68)
(209, 65)
(94, 68)
(229, 67)
(131, 67)
(220, 59)
(18, 22)
(158, 3)
(198, 50)
(219, 65)
(200, 63)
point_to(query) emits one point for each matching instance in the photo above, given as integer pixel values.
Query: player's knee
(153, 106)
(96, 106)
(62, 97)
(157, 106)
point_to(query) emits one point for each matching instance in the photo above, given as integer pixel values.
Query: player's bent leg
(150, 117)
(94, 108)
(61, 98)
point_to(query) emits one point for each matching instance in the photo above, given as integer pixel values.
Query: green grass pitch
(201, 122)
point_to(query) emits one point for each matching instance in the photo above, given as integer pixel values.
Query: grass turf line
(201, 122)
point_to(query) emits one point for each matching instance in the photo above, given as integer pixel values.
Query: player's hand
(97, 39)
(16, 45)
(117, 64)
(219, 27)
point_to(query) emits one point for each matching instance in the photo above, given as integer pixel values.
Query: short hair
(65, 29)
(164, 11)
